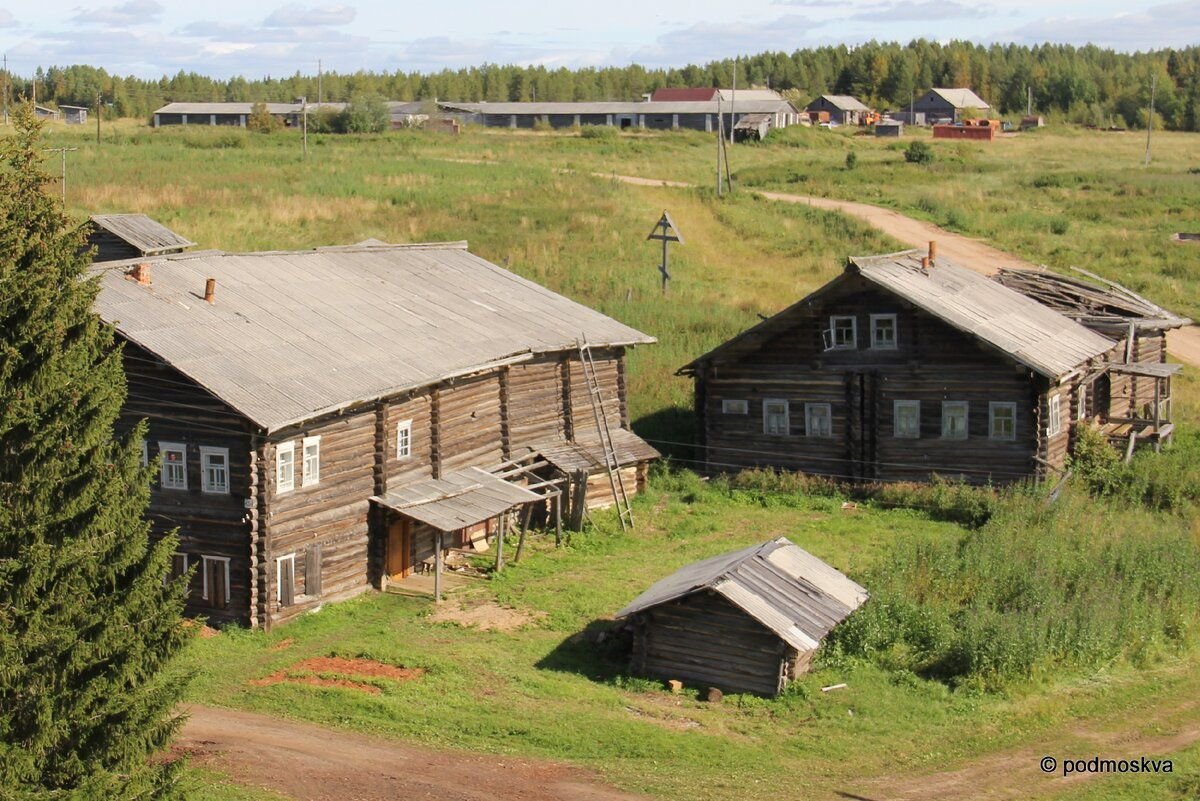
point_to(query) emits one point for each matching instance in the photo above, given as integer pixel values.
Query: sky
(223, 38)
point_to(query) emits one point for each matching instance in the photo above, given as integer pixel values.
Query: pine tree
(88, 629)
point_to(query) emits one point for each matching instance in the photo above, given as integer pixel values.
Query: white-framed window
(907, 419)
(311, 472)
(954, 419)
(173, 467)
(285, 466)
(1002, 420)
(211, 569)
(735, 406)
(818, 420)
(775, 417)
(883, 331)
(145, 452)
(843, 332)
(1054, 417)
(1081, 402)
(214, 470)
(285, 579)
(404, 439)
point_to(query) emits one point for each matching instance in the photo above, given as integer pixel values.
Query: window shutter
(287, 581)
(312, 571)
(216, 590)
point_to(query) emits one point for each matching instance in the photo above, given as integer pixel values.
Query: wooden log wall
(704, 639)
(469, 424)
(217, 525)
(110, 247)
(583, 417)
(419, 409)
(535, 402)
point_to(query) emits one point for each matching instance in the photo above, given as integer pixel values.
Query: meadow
(532, 202)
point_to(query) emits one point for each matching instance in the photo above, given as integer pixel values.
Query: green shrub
(603, 132)
(261, 120)
(215, 139)
(542, 125)
(364, 114)
(919, 152)
(1059, 225)
(851, 160)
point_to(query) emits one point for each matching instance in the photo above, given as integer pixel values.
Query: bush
(364, 114)
(542, 125)
(602, 132)
(919, 152)
(261, 120)
(851, 160)
(218, 139)
(1059, 225)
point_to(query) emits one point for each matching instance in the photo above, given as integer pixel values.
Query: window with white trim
(285, 580)
(883, 331)
(311, 473)
(907, 419)
(173, 467)
(775, 417)
(818, 420)
(404, 439)
(285, 467)
(843, 332)
(214, 572)
(1054, 416)
(735, 406)
(954, 419)
(214, 470)
(1002, 420)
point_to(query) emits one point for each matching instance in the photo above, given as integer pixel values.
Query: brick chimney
(932, 252)
(210, 290)
(140, 273)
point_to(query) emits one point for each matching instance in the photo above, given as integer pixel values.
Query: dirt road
(1183, 344)
(312, 763)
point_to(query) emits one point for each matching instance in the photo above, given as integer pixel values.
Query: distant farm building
(685, 95)
(74, 115)
(130, 236)
(889, 128)
(950, 105)
(45, 113)
(747, 621)
(973, 130)
(694, 115)
(402, 114)
(908, 366)
(333, 420)
(752, 127)
(841, 110)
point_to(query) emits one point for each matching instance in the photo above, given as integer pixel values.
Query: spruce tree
(88, 629)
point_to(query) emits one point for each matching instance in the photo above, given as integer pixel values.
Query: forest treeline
(1088, 84)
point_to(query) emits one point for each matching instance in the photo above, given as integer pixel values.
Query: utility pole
(733, 101)
(62, 151)
(720, 139)
(304, 115)
(1028, 101)
(98, 107)
(6, 88)
(1150, 116)
(320, 94)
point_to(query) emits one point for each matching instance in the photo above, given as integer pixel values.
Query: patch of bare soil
(338, 671)
(283, 644)
(313, 763)
(485, 616)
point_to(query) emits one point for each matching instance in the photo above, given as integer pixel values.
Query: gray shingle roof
(845, 102)
(779, 584)
(295, 335)
(149, 236)
(961, 98)
(743, 105)
(456, 500)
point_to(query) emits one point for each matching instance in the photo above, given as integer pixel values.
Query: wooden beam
(437, 567)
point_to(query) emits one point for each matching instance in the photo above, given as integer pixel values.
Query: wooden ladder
(611, 465)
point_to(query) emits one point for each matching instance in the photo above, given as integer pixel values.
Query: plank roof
(1001, 318)
(587, 454)
(845, 102)
(295, 335)
(147, 235)
(961, 98)
(671, 93)
(456, 500)
(745, 105)
(785, 588)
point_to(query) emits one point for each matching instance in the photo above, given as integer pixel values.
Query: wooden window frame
(172, 447)
(289, 448)
(787, 417)
(809, 408)
(310, 477)
(204, 560)
(993, 407)
(905, 404)
(833, 331)
(279, 560)
(875, 318)
(966, 418)
(735, 406)
(205, 486)
(404, 449)
(1054, 415)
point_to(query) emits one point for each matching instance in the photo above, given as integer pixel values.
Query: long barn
(328, 421)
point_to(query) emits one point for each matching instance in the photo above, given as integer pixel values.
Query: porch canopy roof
(456, 500)
(587, 454)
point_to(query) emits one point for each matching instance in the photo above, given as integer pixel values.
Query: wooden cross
(665, 231)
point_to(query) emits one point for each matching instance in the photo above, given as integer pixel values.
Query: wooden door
(862, 390)
(399, 549)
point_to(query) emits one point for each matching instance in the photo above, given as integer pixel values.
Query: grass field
(529, 201)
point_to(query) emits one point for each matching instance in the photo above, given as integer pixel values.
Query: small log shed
(746, 621)
(131, 236)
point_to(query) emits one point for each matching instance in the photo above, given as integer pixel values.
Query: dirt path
(1183, 344)
(312, 763)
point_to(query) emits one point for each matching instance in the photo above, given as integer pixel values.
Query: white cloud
(1167, 25)
(708, 41)
(921, 10)
(132, 12)
(295, 15)
(7, 20)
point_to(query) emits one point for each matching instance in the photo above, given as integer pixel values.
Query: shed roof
(685, 93)
(588, 454)
(845, 102)
(961, 98)
(148, 236)
(1098, 303)
(779, 584)
(1021, 328)
(742, 106)
(456, 500)
(292, 336)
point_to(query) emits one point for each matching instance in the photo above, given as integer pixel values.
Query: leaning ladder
(611, 465)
